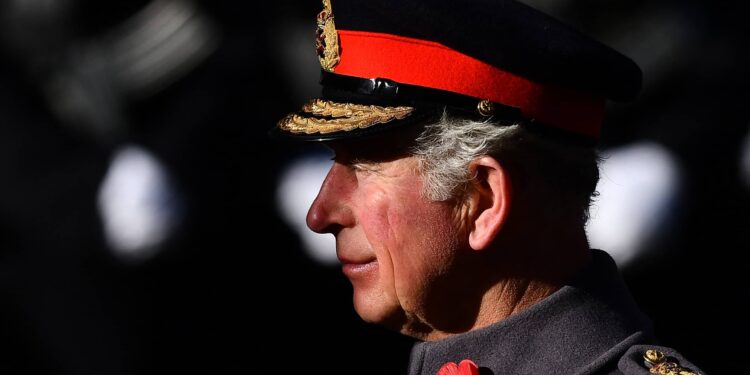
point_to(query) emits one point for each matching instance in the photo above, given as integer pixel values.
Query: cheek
(413, 240)
(379, 218)
(390, 225)
(396, 222)
(427, 246)
(422, 247)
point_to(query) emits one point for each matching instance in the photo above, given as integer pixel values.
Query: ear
(489, 201)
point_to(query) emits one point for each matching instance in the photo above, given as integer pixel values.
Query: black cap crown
(391, 63)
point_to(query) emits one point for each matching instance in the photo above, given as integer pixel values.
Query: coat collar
(583, 326)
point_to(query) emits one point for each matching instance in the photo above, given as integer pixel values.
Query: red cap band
(429, 64)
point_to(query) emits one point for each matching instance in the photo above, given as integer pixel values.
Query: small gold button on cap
(486, 108)
(653, 357)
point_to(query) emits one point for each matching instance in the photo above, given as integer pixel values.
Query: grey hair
(563, 175)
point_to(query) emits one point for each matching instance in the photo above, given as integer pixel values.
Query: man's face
(394, 244)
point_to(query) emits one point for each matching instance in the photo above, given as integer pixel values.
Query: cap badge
(327, 39)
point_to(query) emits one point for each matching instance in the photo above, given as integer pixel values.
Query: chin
(394, 318)
(373, 308)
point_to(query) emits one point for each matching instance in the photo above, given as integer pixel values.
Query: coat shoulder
(653, 359)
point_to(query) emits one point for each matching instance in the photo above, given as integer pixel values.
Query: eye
(365, 166)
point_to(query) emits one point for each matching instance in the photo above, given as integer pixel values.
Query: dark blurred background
(139, 233)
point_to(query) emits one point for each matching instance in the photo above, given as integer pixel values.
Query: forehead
(367, 152)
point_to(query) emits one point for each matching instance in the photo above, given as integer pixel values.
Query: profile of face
(396, 246)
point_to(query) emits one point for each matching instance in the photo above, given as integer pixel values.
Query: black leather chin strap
(381, 91)
(391, 93)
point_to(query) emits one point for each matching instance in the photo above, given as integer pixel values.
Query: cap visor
(322, 120)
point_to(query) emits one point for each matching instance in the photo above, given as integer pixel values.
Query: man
(464, 167)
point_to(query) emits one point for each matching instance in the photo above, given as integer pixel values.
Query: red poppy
(466, 367)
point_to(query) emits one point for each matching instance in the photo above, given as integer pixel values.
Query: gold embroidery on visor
(329, 117)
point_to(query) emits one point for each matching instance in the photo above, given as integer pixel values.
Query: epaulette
(651, 359)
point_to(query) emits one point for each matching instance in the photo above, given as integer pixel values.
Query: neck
(510, 282)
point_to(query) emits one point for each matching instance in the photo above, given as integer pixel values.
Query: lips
(357, 259)
(354, 260)
(358, 268)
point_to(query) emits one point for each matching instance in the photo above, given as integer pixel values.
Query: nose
(331, 209)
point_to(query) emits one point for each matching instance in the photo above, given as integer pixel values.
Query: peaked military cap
(390, 63)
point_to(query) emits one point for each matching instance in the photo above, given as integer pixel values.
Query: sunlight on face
(392, 242)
